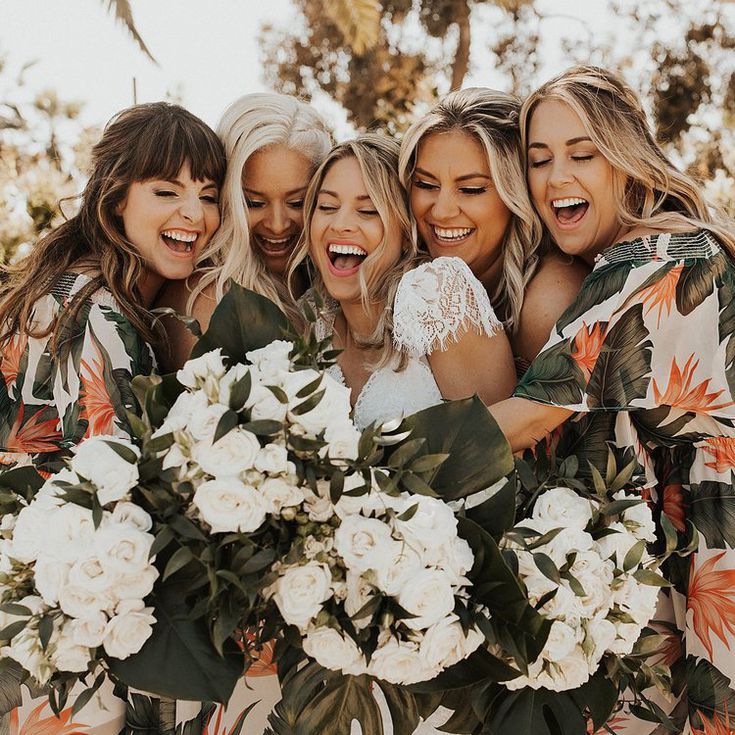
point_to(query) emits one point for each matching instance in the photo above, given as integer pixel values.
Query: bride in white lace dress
(412, 332)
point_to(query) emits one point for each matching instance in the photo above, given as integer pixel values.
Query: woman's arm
(475, 363)
(525, 423)
(175, 350)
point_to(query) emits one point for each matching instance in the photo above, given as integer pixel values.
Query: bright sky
(208, 52)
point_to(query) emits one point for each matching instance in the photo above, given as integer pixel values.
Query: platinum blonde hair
(651, 192)
(250, 124)
(491, 118)
(377, 157)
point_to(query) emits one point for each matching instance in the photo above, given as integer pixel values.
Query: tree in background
(386, 61)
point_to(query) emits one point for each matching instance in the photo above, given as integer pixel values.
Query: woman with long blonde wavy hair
(462, 166)
(644, 356)
(273, 142)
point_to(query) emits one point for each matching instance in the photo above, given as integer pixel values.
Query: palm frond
(124, 14)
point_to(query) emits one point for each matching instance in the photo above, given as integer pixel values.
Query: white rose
(113, 477)
(334, 651)
(231, 454)
(598, 596)
(445, 643)
(264, 405)
(456, 559)
(318, 505)
(48, 496)
(29, 534)
(185, 406)
(68, 655)
(626, 636)
(88, 631)
(638, 600)
(230, 505)
(561, 642)
(571, 539)
(203, 423)
(358, 498)
(272, 360)
(638, 519)
(131, 515)
(197, 370)
(433, 524)
(176, 457)
(392, 576)
(50, 576)
(33, 602)
(617, 544)
(428, 596)
(333, 408)
(128, 630)
(343, 439)
(122, 549)
(400, 663)
(70, 533)
(359, 593)
(136, 586)
(79, 602)
(602, 633)
(570, 673)
(564, 508)
(300, 592)
(365, 543)
(273, 459)
(279, 494)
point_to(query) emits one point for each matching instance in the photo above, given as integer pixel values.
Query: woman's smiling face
(346, 230)
(573, 185)
(457, 209)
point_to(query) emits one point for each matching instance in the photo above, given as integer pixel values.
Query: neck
(359, 322)
(490, 276)
(149, 285)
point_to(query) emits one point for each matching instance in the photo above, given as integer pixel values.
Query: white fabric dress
(434, 305)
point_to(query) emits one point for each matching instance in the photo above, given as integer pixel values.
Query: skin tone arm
(525, 422)
(474, 352)
(179, 340)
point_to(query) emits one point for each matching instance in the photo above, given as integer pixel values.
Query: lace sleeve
(436, 303)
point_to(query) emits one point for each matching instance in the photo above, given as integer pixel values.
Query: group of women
(546, 256)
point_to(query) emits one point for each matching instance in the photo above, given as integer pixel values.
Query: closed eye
(539, 164)
(473, 189)
(419, 184)
(210, 198)
(254, 204)
(297, 204)
(588, 157)
(165, 193)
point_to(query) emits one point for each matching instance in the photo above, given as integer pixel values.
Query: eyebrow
(334, 194)
(571, 141)
(176, 182)
(478, 175)
(288, 193)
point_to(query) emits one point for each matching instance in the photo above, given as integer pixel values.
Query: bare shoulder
(554, 286)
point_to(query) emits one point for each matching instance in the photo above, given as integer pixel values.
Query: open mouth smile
(276, 247)
(570, 211)
(180, 242)
(451, 235)
(345, 259)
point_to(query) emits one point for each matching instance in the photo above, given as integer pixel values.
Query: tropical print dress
(47, 406)
(646, 354)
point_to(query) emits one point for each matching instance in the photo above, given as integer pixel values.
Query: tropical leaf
(243, 321)
(597, 288)
(586, 438)
(726, 296)
(179, 660)
(696, 282)
(479, 453)
(10, 687)
(622, 371)
(712, 511)
(708, 689)
(358, 21)
(404, 713)
(497, 514)
(554, 377)
(124, 14)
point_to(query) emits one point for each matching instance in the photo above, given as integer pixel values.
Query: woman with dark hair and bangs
(75, 326)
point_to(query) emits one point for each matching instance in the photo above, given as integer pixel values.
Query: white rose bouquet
(76, 567)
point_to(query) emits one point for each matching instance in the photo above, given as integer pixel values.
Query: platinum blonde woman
(462, 166)
(273, 144)
(647, 351)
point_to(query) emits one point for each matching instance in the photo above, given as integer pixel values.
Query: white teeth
(346, 249)
(275, 242)
(182, 236)
(571, 202)
(452, 234)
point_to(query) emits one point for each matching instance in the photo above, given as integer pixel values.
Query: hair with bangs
(143, 142)
(250, 124)
(651, 192)
(377, 157)
(491, 118)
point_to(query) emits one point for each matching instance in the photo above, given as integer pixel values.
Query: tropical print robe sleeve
(649, 348)
(48, 404)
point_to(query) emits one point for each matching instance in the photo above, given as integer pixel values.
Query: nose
(343, 221)
(192, 208)
(561, 172)
(445, 206)
(277, 221)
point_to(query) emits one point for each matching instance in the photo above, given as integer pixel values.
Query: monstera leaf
(243, 321)
(479, 453)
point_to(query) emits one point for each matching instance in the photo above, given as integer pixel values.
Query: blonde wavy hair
(377, 157)
(491, 118)
(651, 192)
(250, 124)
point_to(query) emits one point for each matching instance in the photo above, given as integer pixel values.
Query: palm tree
(124, 14)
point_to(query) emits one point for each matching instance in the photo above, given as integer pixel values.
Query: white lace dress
(435, 304)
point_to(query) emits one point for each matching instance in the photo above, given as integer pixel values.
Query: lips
(276, 247)
(345, 258)
(448, 236)
(180, 242)
(570, 211)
